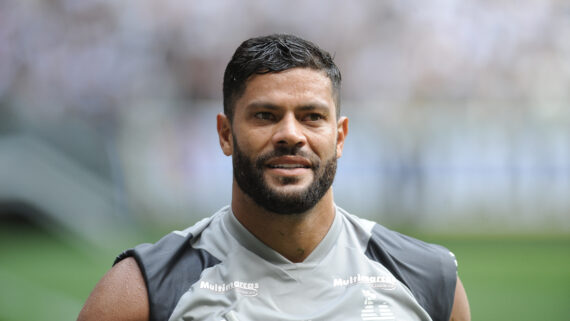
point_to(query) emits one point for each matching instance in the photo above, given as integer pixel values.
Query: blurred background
(459, 133)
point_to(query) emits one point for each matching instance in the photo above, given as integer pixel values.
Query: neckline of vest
(246, 239)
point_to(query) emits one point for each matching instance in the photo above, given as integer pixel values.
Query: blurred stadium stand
(460, 111)
(46, 187)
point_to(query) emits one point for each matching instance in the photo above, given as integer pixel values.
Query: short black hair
(275, 53)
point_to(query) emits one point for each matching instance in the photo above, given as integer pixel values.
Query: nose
(289, 133)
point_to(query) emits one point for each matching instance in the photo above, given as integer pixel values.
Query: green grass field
(514, 278)
(43, 277)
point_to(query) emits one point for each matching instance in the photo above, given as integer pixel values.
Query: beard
(249, 176)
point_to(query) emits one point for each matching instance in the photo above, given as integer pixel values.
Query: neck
(294, 236)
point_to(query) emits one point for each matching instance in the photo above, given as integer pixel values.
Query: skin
(291, 108)
(294, 108)
(120, 295)
(460, 310)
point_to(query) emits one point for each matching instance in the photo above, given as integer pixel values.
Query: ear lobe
(342, 131)
(225, 134)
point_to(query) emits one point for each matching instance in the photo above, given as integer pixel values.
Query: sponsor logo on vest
(243, 288)
(384, 282)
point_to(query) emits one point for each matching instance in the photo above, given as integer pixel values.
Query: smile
(288, 166)
(288, 162)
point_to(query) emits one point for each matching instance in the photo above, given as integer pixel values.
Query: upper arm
(120, 295)
(460, 310)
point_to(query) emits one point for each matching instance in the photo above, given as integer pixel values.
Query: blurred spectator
(461, 107)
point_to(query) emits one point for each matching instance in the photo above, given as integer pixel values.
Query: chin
(291, 191)
(278, 182)
(289, 185)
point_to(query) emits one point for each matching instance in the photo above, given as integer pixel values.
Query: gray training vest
(217, 270)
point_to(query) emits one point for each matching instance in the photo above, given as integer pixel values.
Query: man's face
(285, 139)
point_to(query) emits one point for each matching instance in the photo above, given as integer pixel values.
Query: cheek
(324, 145)
(252, 141)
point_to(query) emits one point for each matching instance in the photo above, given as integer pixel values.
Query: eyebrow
(307, 107)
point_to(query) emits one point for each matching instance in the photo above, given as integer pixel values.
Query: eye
(264, 115)
(314, 117)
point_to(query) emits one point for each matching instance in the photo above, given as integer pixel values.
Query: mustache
(286, 151)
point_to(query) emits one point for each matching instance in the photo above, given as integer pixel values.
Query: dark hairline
(273, 54)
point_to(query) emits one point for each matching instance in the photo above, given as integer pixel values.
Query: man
(283, 250)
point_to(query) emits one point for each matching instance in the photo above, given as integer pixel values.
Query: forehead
(296, 86)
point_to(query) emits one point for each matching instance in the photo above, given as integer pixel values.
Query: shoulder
(174, 251)
(120, 295)
(429, 271)
(146, 282)
(407, 248)
(173, 264)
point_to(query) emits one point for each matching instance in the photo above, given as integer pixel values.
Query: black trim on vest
(428, 270)
(170, 267)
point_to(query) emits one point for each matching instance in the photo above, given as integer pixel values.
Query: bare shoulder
(460, 310)
(120, 295)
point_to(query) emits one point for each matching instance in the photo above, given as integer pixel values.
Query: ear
(342, 131)
(225, 134)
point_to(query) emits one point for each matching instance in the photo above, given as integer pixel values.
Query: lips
(288, 162)
(287, 166)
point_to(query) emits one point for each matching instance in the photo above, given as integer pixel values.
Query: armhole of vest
(164, 261)
(422, 267)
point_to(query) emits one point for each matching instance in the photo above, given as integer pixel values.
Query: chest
(345, 285)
